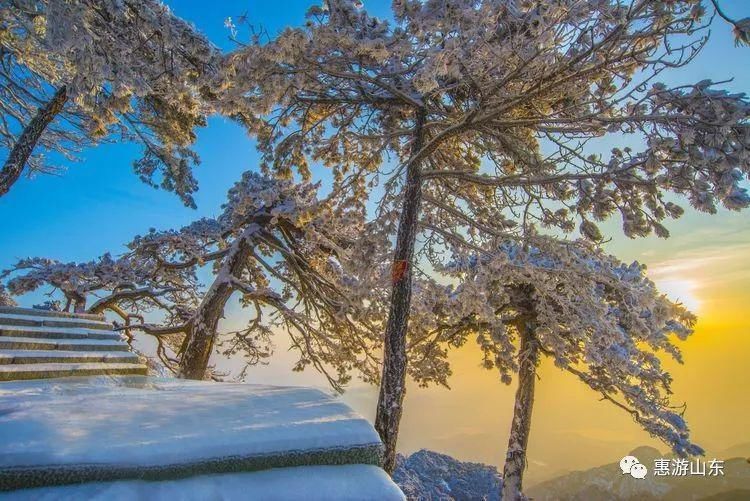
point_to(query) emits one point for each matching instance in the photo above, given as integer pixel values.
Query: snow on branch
(519, 138)
(127, 69)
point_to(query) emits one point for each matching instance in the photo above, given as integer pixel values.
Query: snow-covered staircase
(143, 437)
(134, 436)
(40, 344)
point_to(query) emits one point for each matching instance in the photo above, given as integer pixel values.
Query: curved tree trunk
(79, 303)
(393, 382)
(26, 143)
(202, 333)
(515, 461)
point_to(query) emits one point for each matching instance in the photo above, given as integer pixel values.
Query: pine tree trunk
(202, 334)
(515, 461)
(393, 382)
(26, 143)
(79, 304)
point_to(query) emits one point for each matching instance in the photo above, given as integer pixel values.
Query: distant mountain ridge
(607, 482)
(431, 476)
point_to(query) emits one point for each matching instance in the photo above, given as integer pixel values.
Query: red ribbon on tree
(399, 270)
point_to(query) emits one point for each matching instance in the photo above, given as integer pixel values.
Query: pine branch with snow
(116, 69)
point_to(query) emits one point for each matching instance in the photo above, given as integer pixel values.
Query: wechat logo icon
(631, 465)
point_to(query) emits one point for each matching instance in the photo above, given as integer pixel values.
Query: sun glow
(681, 279)
(681, 290)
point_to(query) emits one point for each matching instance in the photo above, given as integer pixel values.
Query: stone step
(13, 310)
(26, 343)
(39, 321)
(57, 332)
(14, 372)
(58, 356)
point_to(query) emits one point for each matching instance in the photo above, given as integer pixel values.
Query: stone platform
(101, 430)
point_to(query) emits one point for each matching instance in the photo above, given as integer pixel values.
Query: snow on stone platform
(309, 483)
(73, 430)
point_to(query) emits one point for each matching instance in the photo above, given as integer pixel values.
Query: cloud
(704, 265)
(688, 276)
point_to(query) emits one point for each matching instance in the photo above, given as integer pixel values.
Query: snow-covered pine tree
(600, 319)
(276, 245)
(492, 111)
(284, 252)
(77, 72)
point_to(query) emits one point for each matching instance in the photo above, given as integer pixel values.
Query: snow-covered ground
(101, 428)
(309, 483)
